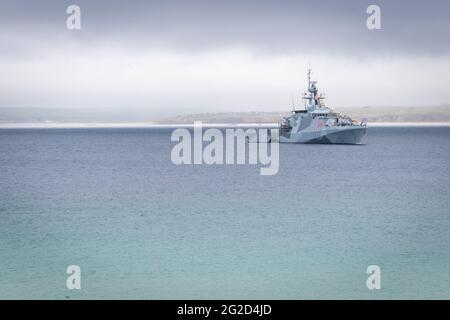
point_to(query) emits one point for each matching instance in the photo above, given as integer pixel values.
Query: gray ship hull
(334, 135)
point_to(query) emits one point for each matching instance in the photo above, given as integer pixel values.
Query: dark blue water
(112, 202)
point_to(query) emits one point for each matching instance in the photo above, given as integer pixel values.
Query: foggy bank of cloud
(232, 80)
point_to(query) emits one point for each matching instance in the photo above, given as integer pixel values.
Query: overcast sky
(211, 56)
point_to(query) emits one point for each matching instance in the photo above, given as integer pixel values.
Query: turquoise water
(112, 202)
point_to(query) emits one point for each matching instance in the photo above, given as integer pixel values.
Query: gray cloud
(409, 27)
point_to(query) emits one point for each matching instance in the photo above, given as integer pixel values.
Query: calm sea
(112, 202)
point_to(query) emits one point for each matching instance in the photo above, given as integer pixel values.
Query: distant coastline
(135, 118)
(119, 125)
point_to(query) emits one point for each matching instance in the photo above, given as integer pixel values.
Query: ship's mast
(312, 92)
(309, 77)
(312, 95)
(306, 95)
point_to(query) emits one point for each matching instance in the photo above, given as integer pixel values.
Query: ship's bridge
(321, 112)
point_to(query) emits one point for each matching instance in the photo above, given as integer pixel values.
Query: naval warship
(318, 123)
